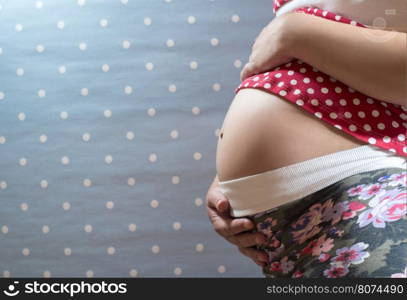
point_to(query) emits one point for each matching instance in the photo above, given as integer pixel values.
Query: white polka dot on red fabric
(333, 115)
(347, 115)
(324, 90)
(310, 90)
(342, 102)
(297, 92)
(303, 70)
(314, 102)
(329, 102)
(367, 127)
(291, 72)
(282, 93)
(318, 115)
(267, 85)
(300, 102)
(293, 82)
(352, 127)
(361, 114)
(381, 126)
(320, 79)
(372, 140)
(280, 84)
(306, 80)
(338, 90)
(401, 137)
(386, 139)
(278, 75)
(356, 101)
(395, 124)
(375, 113)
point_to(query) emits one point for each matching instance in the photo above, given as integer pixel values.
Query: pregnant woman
(312, 149)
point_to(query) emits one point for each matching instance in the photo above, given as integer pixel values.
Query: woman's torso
(382, 14)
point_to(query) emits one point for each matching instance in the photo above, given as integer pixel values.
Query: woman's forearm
(371, 61)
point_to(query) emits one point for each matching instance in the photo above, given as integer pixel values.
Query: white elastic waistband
(260, 192)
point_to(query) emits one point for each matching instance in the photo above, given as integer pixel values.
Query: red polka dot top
(368, 119)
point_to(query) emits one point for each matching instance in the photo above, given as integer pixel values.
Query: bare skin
(262, 132)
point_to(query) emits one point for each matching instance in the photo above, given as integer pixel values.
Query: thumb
(222, 204)
(248, 70)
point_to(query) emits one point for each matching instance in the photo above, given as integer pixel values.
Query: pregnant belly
(262, 132)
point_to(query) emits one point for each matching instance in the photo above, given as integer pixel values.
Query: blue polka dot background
(110, 113)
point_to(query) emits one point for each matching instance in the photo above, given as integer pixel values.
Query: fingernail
(220, 205)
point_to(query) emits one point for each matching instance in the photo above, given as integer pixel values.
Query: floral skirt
(356, 227)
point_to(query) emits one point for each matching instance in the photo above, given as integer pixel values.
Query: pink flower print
(371, 190)
(323, 257)
(323, 244)
(286, 265)
(389, 207)
(397, 179)
(355, 191)
(275, 253)
(400, 275)
(351, 255)
(297, 274)
(266, 225)
(275, 266)
(334, 214)
(306, 226)
(302, 235)
(308, 249)
(336, 271)
(351, 209)
(274, 242)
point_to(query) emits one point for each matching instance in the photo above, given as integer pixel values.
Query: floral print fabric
(356, 227)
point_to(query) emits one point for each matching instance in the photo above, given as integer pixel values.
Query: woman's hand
(234, 230)
(272, 47)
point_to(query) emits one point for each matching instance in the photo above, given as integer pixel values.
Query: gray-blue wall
(107, 150)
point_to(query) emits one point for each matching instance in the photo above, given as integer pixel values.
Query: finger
(248, 70)
(254, 254)
(248, 239)
(226, 226)
(222, 205)
(217, 200)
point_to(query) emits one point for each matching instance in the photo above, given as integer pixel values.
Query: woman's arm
(371, 61)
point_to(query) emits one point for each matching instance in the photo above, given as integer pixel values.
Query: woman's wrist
(297, 33)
